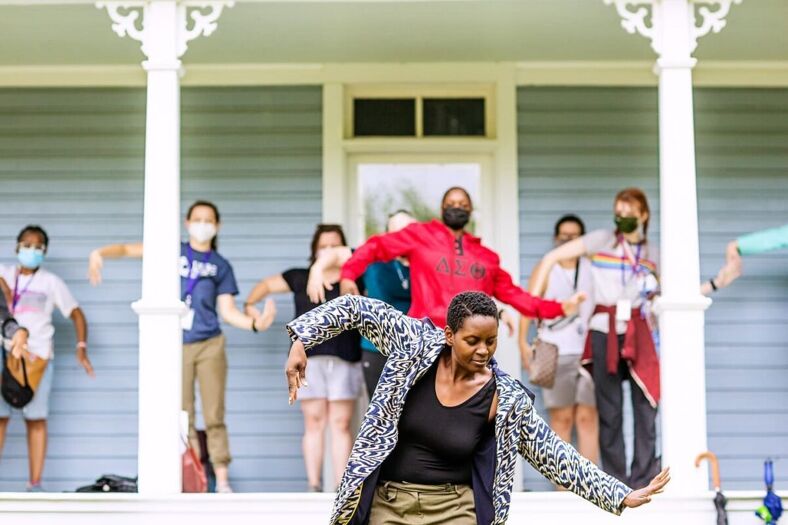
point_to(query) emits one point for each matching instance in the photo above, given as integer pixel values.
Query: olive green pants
(409, 503)
(207, 362)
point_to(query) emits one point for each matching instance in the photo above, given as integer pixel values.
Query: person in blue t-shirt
(208, 288)
(389, 282)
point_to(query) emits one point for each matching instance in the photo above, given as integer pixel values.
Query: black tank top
(436, 443)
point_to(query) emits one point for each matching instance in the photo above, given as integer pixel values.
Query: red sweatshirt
(442, 266)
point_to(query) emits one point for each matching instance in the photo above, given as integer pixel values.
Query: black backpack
(111, 483)
(16, 394)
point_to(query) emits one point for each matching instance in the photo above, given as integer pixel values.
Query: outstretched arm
(570, 250)
(111, 251)
(390, 331)
(560, 463)
(531, 306)
(382, 248)
(318, 283)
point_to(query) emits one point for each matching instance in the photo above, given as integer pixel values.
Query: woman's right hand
(316, 286)
(95, 264)
(295, 370)
(348, 287)
(572, 305)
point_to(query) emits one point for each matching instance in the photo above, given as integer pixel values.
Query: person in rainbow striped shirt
(620, 343)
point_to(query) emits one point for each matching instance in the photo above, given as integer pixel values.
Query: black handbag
(111, 483)
(15, 393)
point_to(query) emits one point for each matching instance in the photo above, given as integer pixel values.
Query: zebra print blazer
(412, 346)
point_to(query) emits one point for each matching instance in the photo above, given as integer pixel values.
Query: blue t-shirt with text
(215, 277)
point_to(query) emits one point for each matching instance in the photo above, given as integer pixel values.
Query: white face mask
(202, 231)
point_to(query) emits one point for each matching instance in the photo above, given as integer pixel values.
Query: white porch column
(673, 32)
(162, 28)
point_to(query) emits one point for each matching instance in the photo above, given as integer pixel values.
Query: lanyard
(192, 282)
(402, 279)
(18, 296)
(635, 263)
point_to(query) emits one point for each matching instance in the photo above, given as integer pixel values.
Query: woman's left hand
(508, 320)
(639, 497)
(19, 343)
(295, 370)
(82, 358)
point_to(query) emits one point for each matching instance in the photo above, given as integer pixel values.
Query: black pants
(609, 402)
(372, 365)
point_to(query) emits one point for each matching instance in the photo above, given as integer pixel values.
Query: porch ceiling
(386, 31)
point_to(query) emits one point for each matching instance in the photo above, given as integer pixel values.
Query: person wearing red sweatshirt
(446, 260)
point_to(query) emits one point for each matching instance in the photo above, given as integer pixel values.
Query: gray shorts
(573, 385)
(332, 378)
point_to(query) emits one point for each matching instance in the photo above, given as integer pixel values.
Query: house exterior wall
(72, 161)
(578, 146)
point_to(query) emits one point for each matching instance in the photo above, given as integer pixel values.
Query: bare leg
(222, 476)
(561, 423)
(3, 428)
(340, 413)
(36, 448)
(587, 423)
(315, 416)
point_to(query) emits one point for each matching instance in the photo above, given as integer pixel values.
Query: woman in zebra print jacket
(459, 359)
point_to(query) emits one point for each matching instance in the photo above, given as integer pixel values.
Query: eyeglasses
(34, 246)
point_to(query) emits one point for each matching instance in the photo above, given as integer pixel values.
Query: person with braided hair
(439, 441)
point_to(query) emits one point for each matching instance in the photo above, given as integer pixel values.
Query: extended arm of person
(267, 286)
(110, 251)
(390, 330)
(763, 241)
(230, 313)
(560, 463)
(382, 248)
(527, 304)
(318, 283)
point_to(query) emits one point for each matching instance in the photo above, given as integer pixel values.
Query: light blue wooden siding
(578, 146)
(257, 153)
(72, 160)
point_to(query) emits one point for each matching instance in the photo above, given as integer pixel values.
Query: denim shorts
(38, 408)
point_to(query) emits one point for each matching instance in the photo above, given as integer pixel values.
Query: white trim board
(711, 73)
(308, 509)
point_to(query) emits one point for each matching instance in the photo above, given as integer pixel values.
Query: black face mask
(626, 224)
(456, 218)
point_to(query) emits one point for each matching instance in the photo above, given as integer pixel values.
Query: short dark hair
(33, 228)
(468, 304)
(570, 217)
(320, 230)
(456, 188)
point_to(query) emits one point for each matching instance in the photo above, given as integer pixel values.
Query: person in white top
(35, 293)
(570, 402)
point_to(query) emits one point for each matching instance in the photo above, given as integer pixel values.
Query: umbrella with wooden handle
(719, 499)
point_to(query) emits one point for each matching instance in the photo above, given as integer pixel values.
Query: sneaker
(224, 488)
(34, 487)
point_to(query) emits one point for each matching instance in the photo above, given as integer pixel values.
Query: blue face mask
(30, 257)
